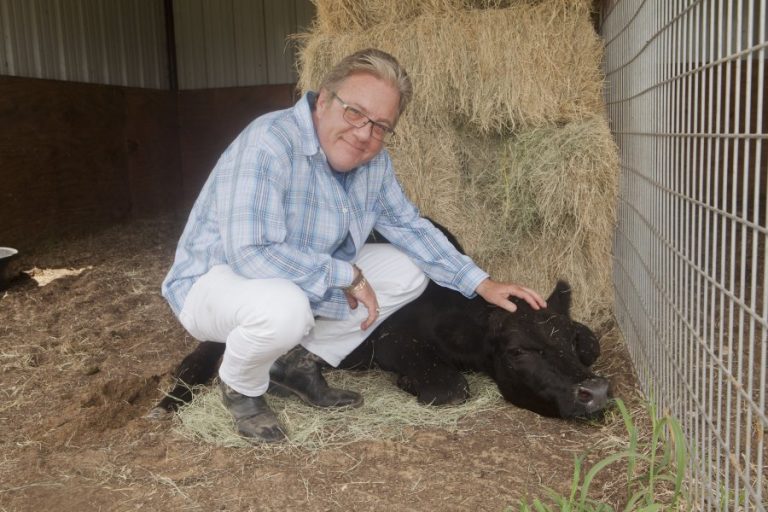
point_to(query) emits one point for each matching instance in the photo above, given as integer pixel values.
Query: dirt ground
(84, 358)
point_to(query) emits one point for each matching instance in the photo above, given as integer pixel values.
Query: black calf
(539, 358)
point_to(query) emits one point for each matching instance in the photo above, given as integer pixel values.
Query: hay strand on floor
(387, 414)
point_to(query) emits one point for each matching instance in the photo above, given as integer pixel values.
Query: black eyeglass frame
(386, 132)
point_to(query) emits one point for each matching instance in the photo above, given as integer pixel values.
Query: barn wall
(209, 119)
(234, 43)
(93, 41)
(76, 156)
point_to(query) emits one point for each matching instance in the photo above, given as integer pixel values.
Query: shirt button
(345, 210)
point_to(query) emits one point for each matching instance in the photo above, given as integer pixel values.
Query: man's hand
(363, 292)
(499, 293)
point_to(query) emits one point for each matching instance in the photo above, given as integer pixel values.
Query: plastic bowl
(8, 270)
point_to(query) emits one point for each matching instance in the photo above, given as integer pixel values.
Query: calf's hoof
(159, 414)
(253, 417)
(443, 393)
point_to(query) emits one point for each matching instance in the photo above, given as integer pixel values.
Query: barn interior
(112, 116)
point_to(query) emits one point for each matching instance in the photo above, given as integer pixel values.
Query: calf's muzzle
(591, 395)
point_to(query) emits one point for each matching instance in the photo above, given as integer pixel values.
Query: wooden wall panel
(210, 119)
(74, 157)
(153, 161)
(61, 158)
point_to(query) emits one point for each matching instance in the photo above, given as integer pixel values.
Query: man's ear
(322, 99)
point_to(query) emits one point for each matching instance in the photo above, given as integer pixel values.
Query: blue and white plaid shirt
(273, 208)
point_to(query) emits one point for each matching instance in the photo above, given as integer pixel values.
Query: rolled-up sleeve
(401, 223)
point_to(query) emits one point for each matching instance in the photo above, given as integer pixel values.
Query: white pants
(261, 319)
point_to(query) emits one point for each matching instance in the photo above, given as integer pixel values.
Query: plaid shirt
(273, 208)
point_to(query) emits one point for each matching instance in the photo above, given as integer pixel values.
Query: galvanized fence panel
(686, 97)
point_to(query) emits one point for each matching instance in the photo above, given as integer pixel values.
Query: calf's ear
(585, 344)
(560, 299)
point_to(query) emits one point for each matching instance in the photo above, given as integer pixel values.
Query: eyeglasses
(357, 119)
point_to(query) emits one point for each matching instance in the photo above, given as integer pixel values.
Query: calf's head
(541, 359)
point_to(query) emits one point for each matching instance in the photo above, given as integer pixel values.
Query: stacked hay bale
(506, 141)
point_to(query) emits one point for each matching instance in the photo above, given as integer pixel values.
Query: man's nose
(364, 132)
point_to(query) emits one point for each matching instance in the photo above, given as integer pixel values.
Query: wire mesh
(686, 99)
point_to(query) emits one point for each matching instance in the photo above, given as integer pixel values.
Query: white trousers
(261, 319)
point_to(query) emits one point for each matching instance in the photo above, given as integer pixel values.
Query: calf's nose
(592, 394)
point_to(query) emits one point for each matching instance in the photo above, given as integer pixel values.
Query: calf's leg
(421, 371)
(197, 368)
(362, 358)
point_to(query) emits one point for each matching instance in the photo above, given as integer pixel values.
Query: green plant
(655, 469)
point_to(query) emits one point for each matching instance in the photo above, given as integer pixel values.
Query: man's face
(345, 146)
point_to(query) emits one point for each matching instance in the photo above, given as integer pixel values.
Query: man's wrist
(484, 282)
(358, 283)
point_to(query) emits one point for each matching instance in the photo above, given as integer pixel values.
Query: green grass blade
(540, 507)
(681, 457)
(632, 431)
(576, 477)
(650, 508)
(638, 496)
(657, 463)
(599, 466)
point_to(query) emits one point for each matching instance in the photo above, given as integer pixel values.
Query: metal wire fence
(686, 98)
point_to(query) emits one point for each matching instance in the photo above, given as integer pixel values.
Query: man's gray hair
(376, 62)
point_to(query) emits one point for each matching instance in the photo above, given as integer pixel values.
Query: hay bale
(355, 15)
(427, 162)
(505, 142)
(492, 70)
(537, 206)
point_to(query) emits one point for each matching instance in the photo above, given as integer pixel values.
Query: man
(273, 260)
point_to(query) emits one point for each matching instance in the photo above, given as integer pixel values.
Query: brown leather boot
(253, 417)
(299, 372)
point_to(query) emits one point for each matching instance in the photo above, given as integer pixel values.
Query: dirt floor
(85, 357)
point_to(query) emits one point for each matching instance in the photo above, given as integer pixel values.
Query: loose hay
(44, 276)
(387, 414)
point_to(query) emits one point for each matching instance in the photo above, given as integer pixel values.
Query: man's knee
(284, 320)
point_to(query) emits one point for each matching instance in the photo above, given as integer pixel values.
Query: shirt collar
(303, 112)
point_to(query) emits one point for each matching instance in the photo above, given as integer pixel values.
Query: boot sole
(281, 390)
(258, 439)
